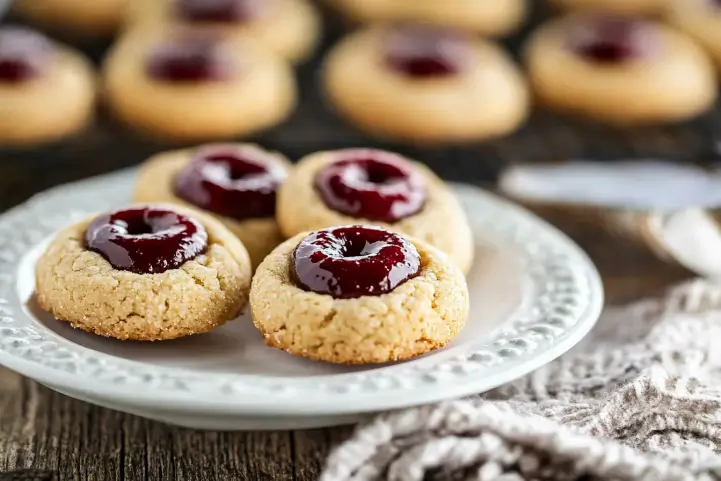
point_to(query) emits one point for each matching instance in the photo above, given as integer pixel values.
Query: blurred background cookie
(82, 18)
(424, 84)
(490, 18)
(701, 19)
(619, 70)
(47, 90)
(630, 7)
(290, 28)
(190, 85)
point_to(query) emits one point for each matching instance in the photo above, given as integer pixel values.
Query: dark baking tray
(546, 137)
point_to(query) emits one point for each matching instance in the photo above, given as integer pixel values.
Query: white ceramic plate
(534, 294)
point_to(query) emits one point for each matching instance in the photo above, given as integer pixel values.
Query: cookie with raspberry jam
(146, 273)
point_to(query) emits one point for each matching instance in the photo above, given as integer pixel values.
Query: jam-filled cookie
(425, 84)
(146, 273)
(191, 85)
(620, 70)
(491, 18)
(701, 19)
(627, 7)
(356, 295)
(374, 187)
(236, 183)
(290, 28)
(47, 91)
(85, 18)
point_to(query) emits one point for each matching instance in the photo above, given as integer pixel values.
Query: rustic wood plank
(11, 415)
(45, 443)
(102, 448)
(159, 455)
(50, 432)
(134, 448)
(310, 449)
(268, 456)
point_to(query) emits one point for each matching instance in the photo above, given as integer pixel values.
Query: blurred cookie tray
(313, 126)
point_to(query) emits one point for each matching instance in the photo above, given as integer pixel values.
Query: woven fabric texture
(638, 399)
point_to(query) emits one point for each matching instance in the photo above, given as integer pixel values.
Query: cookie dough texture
(488, 100)
(80, 287)
(84, 18)
(156, 184)
(491, 18)
(701, 19)
(49, 107)
(441, 223)
(627, 7)
(261, 95)
(675, 84)
(419, 316)
(291, 28)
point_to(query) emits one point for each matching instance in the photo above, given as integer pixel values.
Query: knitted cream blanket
(638, 399)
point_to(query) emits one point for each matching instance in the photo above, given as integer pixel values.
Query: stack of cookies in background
(181, 70)
(405, 71)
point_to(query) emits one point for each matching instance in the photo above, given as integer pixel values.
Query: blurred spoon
(670, 210)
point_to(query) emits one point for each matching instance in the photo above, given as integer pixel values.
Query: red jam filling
(611, 39)
(146, 240)
(24, 54)
(221, 11)
(234, 181)
(353, 261)
(373, 185)
(192, 58)
(423, 52)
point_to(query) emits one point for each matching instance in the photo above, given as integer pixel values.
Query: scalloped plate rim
(342, 402)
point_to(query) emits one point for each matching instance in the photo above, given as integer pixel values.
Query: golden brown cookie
(425, 85)
(491, 18)
(85, 18)
(374, 187)
(358, 295)
(290, 28)
(236, 183)
(193, 86)
(619, 70)
(627, 7)
(146, 273)
(47, 90)
(701, 19)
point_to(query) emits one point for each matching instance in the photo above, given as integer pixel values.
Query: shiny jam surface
(190, 58)
(424, 52)
(221, 11)
(353, 261)
(611, 39)
(24, 54)
(234, 181)
(146, 240)
(372, 184)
